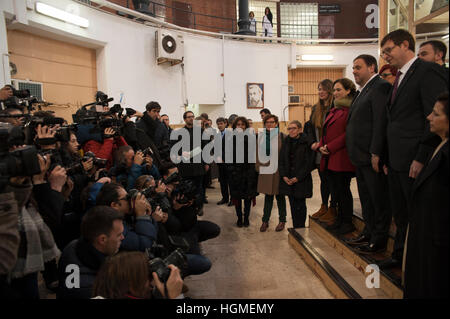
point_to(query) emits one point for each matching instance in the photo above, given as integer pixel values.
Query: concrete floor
(251, 264)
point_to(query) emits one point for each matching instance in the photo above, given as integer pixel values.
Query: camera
(161, 266)
(187, 189)
(173, 178)
(99, 162)
(20, 162)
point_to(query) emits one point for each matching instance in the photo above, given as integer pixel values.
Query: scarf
(37, 245)
(344, 102)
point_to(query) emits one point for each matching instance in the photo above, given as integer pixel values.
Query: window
(299, 20)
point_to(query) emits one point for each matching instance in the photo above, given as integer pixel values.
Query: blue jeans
(197, 264)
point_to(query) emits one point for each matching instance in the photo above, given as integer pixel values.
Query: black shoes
(222, 201)
(360, 240)
(239, 222)
(205, 201)
(230, 203)
(345, 228)
(370, 249)
(389, 263)
(246, 222)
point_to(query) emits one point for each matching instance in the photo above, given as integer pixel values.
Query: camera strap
(46, 141)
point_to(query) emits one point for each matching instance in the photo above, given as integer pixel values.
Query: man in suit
(409, 141)
(365, 136)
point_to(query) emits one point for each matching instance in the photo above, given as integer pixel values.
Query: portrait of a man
(255, 95)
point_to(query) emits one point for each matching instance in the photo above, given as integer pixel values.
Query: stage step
(390, 280)
(341, 278)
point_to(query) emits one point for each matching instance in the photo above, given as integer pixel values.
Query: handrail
(153, 21)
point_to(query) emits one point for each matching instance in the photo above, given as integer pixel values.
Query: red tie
(394, 92)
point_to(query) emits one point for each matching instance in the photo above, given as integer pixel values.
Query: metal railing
(159, 22)
(206, 22)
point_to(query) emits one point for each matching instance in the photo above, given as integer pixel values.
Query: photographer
(104, 149)
(140, 223)
(6, 92)
(13, 116)
(131, 165)
(185, 210)
(127, 276)
(151, 133)
(37, 245)
(101, 236)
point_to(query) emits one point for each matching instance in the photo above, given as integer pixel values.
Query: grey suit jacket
(366, 123)
(408, 131)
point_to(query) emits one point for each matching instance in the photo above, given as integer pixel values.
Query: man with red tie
(409, 141)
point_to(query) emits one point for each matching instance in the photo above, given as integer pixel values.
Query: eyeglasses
(292, 128)
(387, 51)
(384, 75)
(188, 117)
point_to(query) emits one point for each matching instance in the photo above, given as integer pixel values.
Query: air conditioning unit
(34, 87)
(294, 99)
(169, 47)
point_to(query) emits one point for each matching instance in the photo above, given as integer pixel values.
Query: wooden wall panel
(304, 82)
(68, 72)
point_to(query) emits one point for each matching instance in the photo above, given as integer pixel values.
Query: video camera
(22, 161)
(20, 99)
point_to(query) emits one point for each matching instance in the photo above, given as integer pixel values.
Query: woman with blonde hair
(314, 128)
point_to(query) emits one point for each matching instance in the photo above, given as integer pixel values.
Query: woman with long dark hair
(267, 24)
(335, 160)
(314, 128)
(426, 248)
(243, 176)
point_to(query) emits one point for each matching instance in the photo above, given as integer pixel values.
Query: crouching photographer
(128, 275)
(183, 193)
(130, 165)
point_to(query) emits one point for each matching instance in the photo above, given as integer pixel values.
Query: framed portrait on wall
(255, 95)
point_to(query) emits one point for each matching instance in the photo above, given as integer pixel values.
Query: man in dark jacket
(365, 137)
(191, 170)
(151, 124)
(411, 100)
(101, 236)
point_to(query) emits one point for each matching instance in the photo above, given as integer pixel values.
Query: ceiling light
(445, 36)
(317, 57)
(61, 15)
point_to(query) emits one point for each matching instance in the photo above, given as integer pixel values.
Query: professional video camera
(161, 266)
(22, 161)
(21, 99)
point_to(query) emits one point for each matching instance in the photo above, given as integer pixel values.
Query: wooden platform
(342, 270)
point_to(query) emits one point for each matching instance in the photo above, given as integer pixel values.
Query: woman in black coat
(243, 176)
(295, 164)
(426, 261)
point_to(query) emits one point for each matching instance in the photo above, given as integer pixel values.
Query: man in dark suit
(409, 141)
(365, 136)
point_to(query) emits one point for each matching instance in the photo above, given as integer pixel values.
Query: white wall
(126, 63)
(343, 55)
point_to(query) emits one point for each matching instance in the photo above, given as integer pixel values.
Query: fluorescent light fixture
(61, 15)
(445, 36)
(317, 57)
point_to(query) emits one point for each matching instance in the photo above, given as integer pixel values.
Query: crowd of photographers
(73, 196)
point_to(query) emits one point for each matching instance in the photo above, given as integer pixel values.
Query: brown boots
(320, 212)
(329, 217)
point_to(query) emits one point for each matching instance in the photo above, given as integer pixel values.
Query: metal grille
(35, 88)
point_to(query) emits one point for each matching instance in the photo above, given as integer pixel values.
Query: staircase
(341, 269)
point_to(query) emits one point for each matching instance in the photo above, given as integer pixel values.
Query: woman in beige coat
(268, 184)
